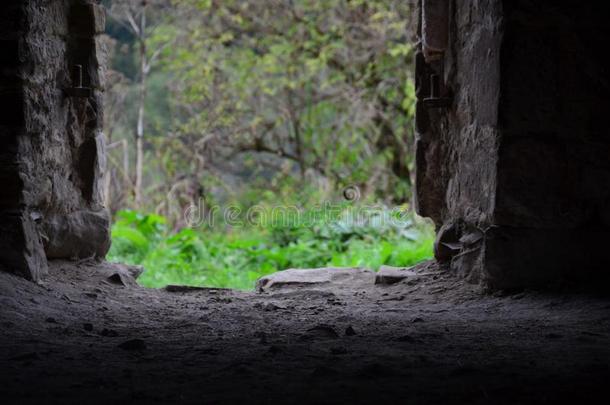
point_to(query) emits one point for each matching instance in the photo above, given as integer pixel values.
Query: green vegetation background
(268, 102)
(237, 257)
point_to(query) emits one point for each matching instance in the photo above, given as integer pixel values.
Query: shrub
(236, 257)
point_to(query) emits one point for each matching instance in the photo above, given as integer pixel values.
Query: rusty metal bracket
(429, 88)
(77, 90)
(435, 100)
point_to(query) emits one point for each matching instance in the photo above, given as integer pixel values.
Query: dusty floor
(431, 339)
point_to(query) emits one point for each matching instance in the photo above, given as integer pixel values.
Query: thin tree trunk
(126, 178)
(124, 172)
(299, 147)
(296, 129)
(140, 126)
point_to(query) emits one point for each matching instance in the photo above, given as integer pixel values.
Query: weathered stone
(512, 173)
(86, 19)
(81, 234)
(134, 271)
(392, 275)
(435, 28)
(99, 168)
(98, 63)
(121, 279)
(53, 153)
(21, 249)
(329, 277)
(319, 332)
(446, 244)
(118, 273)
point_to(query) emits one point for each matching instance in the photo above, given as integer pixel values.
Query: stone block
(97, 199)
(97, 68)
(86, 19)
(47, 18)
(435, 28)
(21, 250)
(391, 275)
(321, 278)
(78, 235)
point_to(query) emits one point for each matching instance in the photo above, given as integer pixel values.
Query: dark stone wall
(555, 160)
(52, 152)
(553, 195)
(515, 172)
(456, 147)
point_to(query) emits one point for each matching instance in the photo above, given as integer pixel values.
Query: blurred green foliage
(254, 92)
(262, 103)
(236, 257)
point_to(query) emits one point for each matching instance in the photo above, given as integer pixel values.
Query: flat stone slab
(392, 275)
(173, 288)
(326, 277)
(120, 274)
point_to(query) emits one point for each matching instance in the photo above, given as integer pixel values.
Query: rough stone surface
(515, 172)
(435, 36)
(21, 248)
(77, 235)
(392, 275)
(328, 277)
(53, 152)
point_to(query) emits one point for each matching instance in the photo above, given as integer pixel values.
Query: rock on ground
(329, 277)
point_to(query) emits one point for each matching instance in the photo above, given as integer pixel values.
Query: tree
(322, 85)
(133, 15)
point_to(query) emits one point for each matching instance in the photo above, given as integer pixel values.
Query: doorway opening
(243, 142)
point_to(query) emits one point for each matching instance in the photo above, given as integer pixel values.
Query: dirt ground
(80, 337)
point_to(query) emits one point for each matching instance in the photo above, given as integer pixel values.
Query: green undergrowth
(235, 257)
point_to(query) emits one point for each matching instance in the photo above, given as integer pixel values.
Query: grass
(236, 257)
